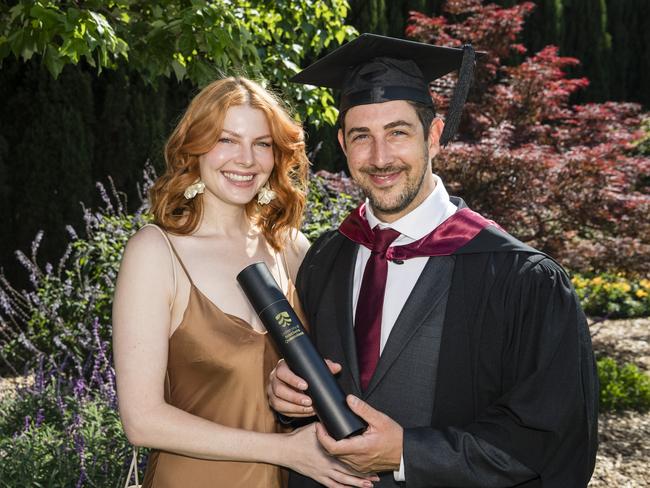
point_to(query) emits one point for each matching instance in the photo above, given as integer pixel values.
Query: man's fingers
(363, 410)
(283, 373)
(334, 367)
(331, 445)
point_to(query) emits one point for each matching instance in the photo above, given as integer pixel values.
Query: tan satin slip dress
(218, 368)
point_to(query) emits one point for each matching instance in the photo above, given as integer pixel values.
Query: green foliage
(48, 439)
(613, 295)
(188, 40)
(326, 207)
(623, 387)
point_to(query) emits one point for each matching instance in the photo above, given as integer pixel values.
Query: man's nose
(381, 153)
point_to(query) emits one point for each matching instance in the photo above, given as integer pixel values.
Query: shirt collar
(423, 219)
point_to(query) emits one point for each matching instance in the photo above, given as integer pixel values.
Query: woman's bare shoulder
(147, 249)
(296, 246)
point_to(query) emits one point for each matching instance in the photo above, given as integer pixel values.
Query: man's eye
(398, 133)
(359, 137)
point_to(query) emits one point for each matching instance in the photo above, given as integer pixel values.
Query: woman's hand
(307, 457)
(286, 390)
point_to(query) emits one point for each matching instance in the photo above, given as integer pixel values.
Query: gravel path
(624, 452)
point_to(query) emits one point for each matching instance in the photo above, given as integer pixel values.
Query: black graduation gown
(516, 367)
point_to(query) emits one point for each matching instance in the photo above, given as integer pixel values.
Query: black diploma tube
(299, 352)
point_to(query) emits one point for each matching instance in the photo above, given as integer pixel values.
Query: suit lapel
(343, 270)
(430, 288)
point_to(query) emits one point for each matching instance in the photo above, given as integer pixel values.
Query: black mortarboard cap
(375, 69)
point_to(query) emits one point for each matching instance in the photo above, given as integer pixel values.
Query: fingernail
(353, 400)
(306, 402)
(302, 385)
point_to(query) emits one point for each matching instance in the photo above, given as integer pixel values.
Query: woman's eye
(264, 144)
(225, 140)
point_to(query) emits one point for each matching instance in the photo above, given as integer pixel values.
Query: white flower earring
(194, 189)
(265, 194)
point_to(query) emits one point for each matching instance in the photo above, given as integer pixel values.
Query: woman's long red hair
(198, 132)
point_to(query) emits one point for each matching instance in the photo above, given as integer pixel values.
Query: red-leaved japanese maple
(564, 178)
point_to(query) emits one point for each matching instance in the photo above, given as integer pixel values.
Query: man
(465, 350)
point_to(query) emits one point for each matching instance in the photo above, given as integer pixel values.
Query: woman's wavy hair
(197, 133)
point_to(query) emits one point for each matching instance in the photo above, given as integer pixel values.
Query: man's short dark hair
(426, 114)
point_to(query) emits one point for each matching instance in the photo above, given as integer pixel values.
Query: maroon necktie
(367, 327)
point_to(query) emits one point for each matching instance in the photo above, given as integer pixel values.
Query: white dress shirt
(401, 278)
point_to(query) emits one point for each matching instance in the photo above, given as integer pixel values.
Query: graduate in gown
(464, 349)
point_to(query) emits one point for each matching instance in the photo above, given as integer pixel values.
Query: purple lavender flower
(40, 417)
(79, 387)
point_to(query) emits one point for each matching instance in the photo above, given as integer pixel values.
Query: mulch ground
(623, 459)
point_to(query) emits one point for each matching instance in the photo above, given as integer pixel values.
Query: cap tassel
(465, 77)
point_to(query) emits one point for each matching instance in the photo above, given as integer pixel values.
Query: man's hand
(285, 390)
(378, 449)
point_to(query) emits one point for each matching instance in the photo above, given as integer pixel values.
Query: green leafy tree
(195, 40)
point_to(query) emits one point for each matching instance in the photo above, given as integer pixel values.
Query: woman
(191, 356)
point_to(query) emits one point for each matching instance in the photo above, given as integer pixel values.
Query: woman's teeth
(235, 177)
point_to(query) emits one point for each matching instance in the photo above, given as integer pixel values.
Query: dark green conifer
(584, 36)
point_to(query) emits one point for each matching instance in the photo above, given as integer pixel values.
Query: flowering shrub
(613, 295)
(64, 429)
(57, 321)
(623, 387)
(53, 436)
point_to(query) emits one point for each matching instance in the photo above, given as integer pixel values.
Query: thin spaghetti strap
(173, 249)
(171, 254)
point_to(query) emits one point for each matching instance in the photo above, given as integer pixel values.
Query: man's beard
(405, 198)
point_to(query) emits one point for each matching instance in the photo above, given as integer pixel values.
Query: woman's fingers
(285, 393)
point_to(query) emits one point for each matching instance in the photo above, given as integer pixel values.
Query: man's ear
(433, 141)
(341, 139)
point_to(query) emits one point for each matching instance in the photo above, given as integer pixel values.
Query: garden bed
(624, 437)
